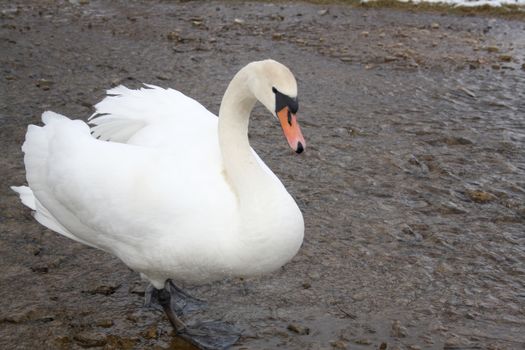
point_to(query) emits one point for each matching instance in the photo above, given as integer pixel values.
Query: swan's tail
(26, 196)
(36, 150)
(40, 213)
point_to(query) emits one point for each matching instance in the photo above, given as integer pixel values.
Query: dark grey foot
(206, 336)
(213, 335)
(181, 302)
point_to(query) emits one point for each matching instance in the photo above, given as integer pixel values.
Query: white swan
(176, 193)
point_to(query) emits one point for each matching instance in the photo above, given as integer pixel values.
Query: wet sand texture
(412, 185)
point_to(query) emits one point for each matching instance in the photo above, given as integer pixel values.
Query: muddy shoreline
(412, 186)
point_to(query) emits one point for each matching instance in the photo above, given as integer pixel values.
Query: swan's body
(176, 193)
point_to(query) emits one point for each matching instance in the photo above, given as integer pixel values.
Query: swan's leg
(181, 302)
(214, 335)
(164, 298)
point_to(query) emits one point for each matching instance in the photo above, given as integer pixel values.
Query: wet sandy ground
(412, 185)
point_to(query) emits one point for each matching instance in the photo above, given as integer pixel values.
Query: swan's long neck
(269, 219)
(251, 183)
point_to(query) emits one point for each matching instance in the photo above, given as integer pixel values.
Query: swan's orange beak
(291, 129)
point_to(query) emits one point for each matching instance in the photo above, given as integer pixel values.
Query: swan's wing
(124, 112)
(116, 197)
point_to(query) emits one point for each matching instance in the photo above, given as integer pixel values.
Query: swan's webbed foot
(181, 302)
(213, 335)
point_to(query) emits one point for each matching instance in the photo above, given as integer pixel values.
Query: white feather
(124, 112)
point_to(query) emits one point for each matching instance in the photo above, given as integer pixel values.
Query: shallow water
(412, 184)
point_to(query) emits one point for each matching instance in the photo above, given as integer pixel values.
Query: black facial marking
(282, 100)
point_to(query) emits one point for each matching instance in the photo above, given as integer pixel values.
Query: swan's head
(274, 85)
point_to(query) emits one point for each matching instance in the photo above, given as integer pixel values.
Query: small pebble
(104, 323)
(103, 289)
(173, 36)
(298, 329)
(151, 332)
(41, 268)
(480, 196)
(44, 84)
(398, 331)
(339, 344)
(90, 339)
(414, 347)
(277, 36)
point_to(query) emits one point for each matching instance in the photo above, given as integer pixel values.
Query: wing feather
(124, 112)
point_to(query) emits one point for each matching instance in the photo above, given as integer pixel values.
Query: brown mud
(412, 184)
